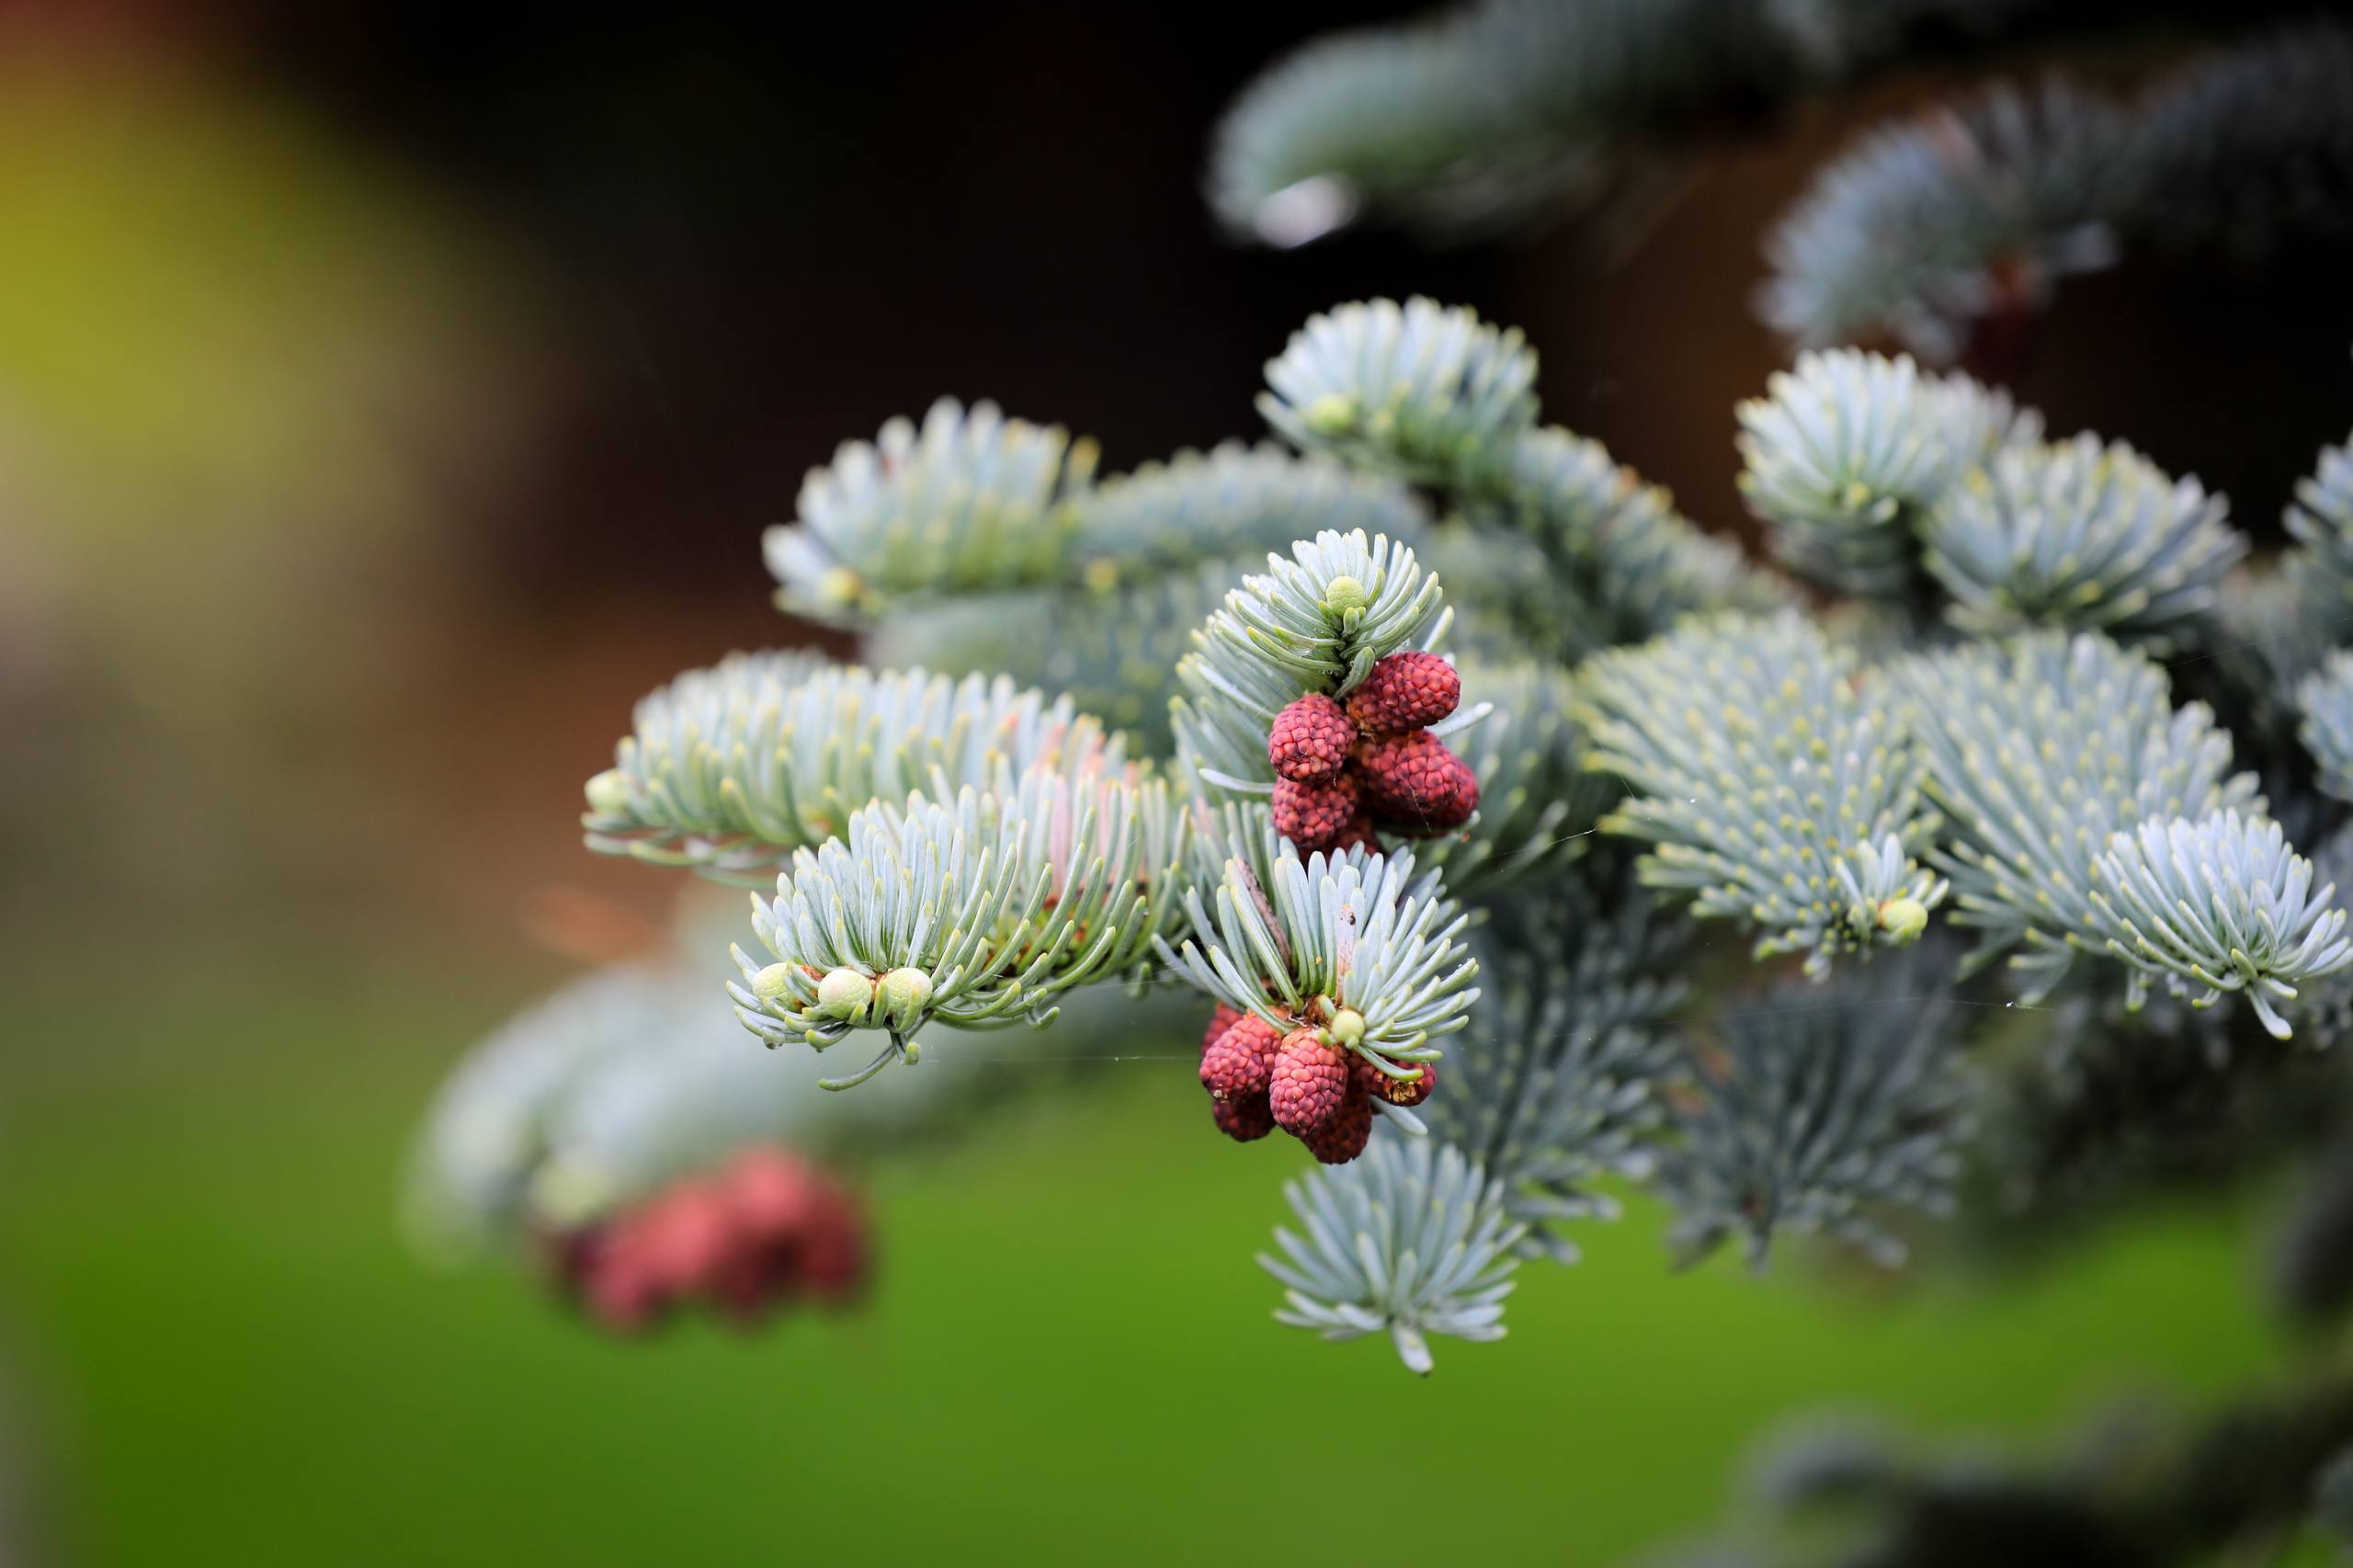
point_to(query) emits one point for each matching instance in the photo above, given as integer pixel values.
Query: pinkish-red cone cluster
(1261, 1078)
(760, 1233)
(1344, 773)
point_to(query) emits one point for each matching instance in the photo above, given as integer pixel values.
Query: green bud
(609, 793)
(1903, 918)
(1343, 595)
(840, 585)
(1334, 413)
(904, 993)
(846, 995)
(773, 982)
(1348, 1026)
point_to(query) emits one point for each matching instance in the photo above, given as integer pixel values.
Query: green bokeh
(231, 1356)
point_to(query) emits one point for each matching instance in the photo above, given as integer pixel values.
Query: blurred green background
(386, 401)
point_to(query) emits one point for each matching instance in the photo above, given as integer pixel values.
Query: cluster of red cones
(763, 1232)
(1307, 1080)
(1345, 772)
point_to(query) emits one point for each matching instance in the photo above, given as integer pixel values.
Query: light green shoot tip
(903, 992)
(846, 995)
(1903, 919)
(609, 793)
(840, 585)
(1334, 413)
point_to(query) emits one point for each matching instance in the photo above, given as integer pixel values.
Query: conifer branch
(1430, 394)
(2084, 537)
(1790, 801)
(967, 500)
(979, 910)
(1971, 213)
(1409, 1240)
(1847, 453)
(2326, 700)
(731, 769)
(2088, 815)
(1819, 1107)
(1292, 941)
(1563, 1090)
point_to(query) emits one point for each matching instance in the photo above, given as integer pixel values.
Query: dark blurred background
(391, 393)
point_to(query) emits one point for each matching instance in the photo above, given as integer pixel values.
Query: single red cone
(1312, 816)
(835, 1261)
(1397, 1091)
(686, 1233)
(620, 1292)
(1310, 1080)
(1405, 691)
(1224, 1018)
(1414, 785)
(771, 1194)
(1309, 742)
(1245, 1121)
(1342, 1137)
(1242, 1062)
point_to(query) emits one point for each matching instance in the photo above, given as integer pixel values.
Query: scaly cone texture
(1239, 1064)
(1310, 741)
(1315, 623)
(1347, 771)
(1315, 816)
(1405, 692)
(1352, 961)
(1771, 775)
(1310, 1077)
(1414, 784)
(1306, 662)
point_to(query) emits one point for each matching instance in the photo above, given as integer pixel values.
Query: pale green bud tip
(609, 793)
(1903, 918)
(1348, 1026)
(772, 982)
(840, 585)
(1342, 595)
(904, 993)
(844, 993)
(1334, 413)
